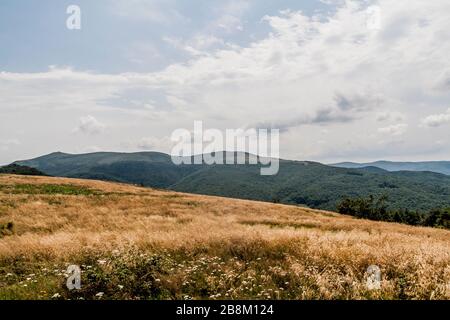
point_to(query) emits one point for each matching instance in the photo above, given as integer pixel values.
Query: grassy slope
(134, 243)
(305, 183)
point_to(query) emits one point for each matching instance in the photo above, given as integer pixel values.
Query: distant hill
(22, 170)
(433, 166)
(152, 169)
(298, 182)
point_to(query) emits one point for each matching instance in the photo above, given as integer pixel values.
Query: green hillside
(298, 182)
(21, 170)
(320, 186)
(151, 169)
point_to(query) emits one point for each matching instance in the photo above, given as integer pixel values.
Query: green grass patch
(64, 189)
(277, 224)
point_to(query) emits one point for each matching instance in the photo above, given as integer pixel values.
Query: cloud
(89, 125)
(230, 16)
(328, 69)
(7, 144)
(198, 45)
(343, 108)
(437, 120)
(163, 144)
(389, 116)
(445, 83)
(224, 20)
(229, 23)
(394, 130)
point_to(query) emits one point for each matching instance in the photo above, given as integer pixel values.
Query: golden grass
(325, 254)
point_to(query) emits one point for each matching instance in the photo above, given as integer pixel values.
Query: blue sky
(344, 80)
(123, 36)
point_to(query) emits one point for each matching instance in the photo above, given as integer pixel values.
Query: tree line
(376, 209)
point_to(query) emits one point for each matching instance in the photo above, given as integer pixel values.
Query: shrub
(376, 209)
(6, 229)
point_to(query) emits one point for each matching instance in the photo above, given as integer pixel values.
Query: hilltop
(142, 243)
(302, 183)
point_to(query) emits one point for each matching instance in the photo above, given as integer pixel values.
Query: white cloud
(394, 130)
(163, 144)
(230, 16)
(326, 70)
(389, 116)
(89, 125)
(197, 45)
(229, 23)
(437, 120)
(7, 144)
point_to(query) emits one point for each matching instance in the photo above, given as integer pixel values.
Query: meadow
(140, 243)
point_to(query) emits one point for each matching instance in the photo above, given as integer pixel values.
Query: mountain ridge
(432, 166)
(304, 183)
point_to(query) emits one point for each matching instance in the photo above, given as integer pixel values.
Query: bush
(6, 229)
(376, 209)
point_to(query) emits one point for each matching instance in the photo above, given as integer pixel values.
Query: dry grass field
(139, 243)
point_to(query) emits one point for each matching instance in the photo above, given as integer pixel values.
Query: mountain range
(303, 183)
(433, 166)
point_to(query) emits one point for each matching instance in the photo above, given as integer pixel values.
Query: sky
(342, 80)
